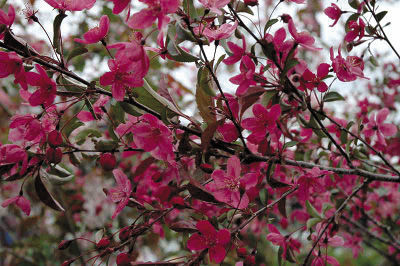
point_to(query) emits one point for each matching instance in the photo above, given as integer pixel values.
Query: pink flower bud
(54, 155)
(54, 138)
(107, 161)
(251, 2)
(241, 252)
(250, 260)
(123, 259)
(124, 233)
(64, 244)
(67, 262)
(103, 243)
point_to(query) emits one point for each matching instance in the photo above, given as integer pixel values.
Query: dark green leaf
(333, 96)
(380, 15)
(270, 23)
(45, 196)
(76, 52)
(57, 32)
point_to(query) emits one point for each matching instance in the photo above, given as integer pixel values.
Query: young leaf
(333, 96)
(45, 196)
(56, 31)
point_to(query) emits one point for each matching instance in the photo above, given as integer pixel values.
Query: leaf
(56, 31)
(290, 144)
(353, 17)
(130, 109)
(380, 16)
(117, 113)
(84, 134)
(77, 52)
(143, 166)
(312, 211)
(311, 222)
(333, 96)
(208, 134)
(263, 194)
(205, 102)
(71, 126)
(251, 96)
(242, 7)
(178, 54)
(68, 84)
(106, 145)
(45, 196)
(183, 227)
(57, 175)
(269, 24)
(90, 107)
(198, 192)
(204, 81)
(282, 207)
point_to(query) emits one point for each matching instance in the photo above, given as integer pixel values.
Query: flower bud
(107, 161)
(54, 155)
(251, 2)
(250, 261)
(286, 18)
(54, 138)
(123, 259)
(67, 262)
(124, 233)
(103, 243)
(241, 252)
(64, 244)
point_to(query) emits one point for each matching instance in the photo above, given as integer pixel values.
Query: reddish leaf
(45, 196)
(282, 207)
(198, 192)
(142, 167)
(183, 226)
(250, 97)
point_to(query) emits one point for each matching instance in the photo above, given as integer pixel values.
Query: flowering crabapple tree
(109, 155)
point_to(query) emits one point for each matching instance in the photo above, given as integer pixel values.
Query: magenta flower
(333, 12)
(279, 240)
(356, 30)
(86, 116)
(311, 180)
(21, 203)
(120, 77)
(11, 63)
(214, 5)
(246, 77)
(347, 69)
(71, 5)
(153, 136)
(96, 34)
(14, 154)
(302, 38)
(309, 80)
(7, 19)
(376, 126)
(211, 239)
(47, 87)
(237, 51)
(323, 259)
(119, 5)
(263, 122)
(121, 193)
(227, 185)
(26, 128)
(157, 10)
(222, 32)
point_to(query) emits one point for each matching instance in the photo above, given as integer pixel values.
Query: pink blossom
(47, 87)
(228, 131)
(279, 240)
(376, 126)
(246, 77)
(153, 136)
(227, 185)
(71, 5)
(26, 128)
(119, 5)
(21, 203)
(121, 193)
(347, 69)
(323, 259)
(97, 33)
(312, 179)
(11, 63)
(356, 30)
(211, 239)
(302, 38)
(309, 80)
(120, 77)
(157, 10)
(222, 32)
(333, 12)
(237, 51)
(263, 122)
(214, 5)
(86, 116)
(7, 19)
(14, 154)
